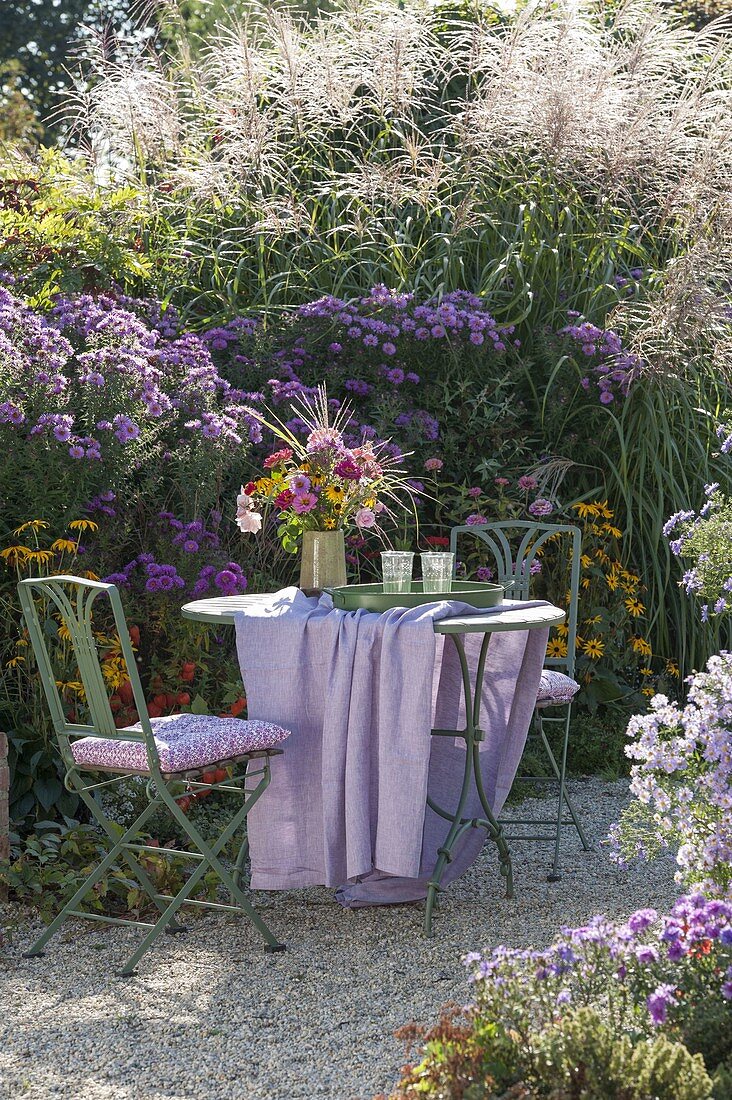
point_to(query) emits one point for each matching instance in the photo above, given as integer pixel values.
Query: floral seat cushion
(184, 742)
(555, 689)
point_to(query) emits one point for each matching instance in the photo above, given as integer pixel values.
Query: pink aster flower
(433, 464)
(501, 482)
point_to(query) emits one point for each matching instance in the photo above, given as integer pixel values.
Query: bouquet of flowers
(319, 483)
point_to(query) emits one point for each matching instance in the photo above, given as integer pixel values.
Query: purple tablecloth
(346, 807)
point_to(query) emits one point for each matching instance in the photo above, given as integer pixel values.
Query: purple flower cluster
(190, 537)
(185, 543)
(155, 576)
(103, 504)
(93, 374)
(229, 581)
(704, 538)
(647, 962)
(613, 368)
(367, 344)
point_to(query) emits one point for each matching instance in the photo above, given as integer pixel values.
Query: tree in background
(18, 121)
(39, 48)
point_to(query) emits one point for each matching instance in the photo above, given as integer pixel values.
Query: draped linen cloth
(346, 807)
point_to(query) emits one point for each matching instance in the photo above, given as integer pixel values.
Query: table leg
(472, 735)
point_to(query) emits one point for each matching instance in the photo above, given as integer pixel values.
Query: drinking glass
(396, 569)
(437, 572)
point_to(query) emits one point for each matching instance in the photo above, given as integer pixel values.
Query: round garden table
(221, 610)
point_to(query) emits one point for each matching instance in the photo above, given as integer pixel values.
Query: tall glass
(437, 572)
(396, 569)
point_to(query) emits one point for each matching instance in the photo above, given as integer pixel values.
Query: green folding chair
(515, 546)
(165, 750)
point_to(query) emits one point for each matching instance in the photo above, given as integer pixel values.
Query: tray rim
(461, 595)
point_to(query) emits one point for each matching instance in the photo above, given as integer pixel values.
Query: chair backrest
(515, 546)
(72, 598)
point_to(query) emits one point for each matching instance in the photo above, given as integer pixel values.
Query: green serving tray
(372, 597)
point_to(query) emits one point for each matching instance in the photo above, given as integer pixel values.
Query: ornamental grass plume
(625, 95)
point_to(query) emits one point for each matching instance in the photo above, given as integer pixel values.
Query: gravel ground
(211, 1017)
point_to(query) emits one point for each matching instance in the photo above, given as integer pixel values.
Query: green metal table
(221, 611)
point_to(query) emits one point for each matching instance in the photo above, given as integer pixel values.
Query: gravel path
(211, 1017)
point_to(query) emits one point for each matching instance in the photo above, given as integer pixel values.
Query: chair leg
(560, 771)
(91, 881)
(241, 859)
(210, 861)
(134, 864)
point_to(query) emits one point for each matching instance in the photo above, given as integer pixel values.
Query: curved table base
(460, 825)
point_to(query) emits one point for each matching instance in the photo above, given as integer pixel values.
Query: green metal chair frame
(73, 598)
(515, 546)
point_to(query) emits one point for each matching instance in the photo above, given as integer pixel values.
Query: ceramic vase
(323, 561)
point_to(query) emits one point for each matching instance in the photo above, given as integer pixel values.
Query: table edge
(458, 625)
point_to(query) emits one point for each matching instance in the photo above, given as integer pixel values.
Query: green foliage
(61, 233)
(46, 869)
(465, 1057)
(659, 451)
(701, 12)
(581, 1058)
(18, 123)
(36, 778)
(723, 1082)
(707, 1030)
(584, 1059)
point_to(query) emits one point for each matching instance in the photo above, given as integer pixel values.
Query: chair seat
(555, 689)
(184, 742)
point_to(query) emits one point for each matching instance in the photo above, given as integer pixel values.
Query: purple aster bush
(94, 394)
(412, 369)
(646, 976)
(183, 560)
(682, 781)
(607, 369)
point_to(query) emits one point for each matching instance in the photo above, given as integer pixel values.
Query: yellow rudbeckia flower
(32, 525)
(64, 546)
(585, 509)
(634, 606)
